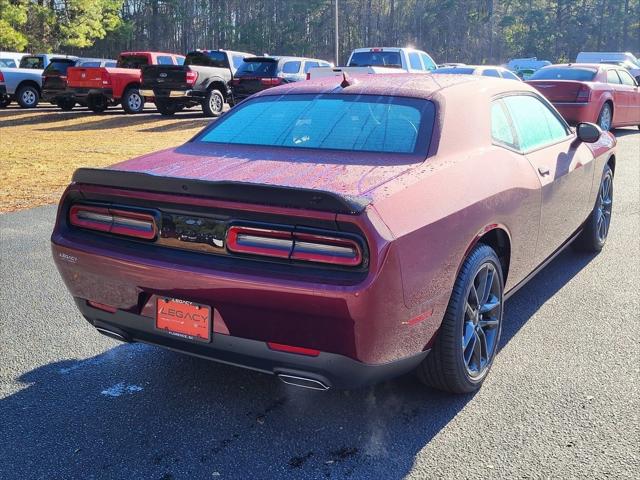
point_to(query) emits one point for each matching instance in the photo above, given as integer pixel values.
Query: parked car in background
(364, 61)
(601, 93)
(626, 59)
(24, 84)
(338, 235)
(54, 79)
(11, 59)
(451, 64)
(482, 70)
(525, 73)
(259, 73)
(202, 80)
(99, 87)
(525, 67)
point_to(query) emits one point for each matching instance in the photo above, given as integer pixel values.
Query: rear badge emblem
(163, 75)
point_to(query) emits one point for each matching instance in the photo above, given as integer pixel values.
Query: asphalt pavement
(562, 400)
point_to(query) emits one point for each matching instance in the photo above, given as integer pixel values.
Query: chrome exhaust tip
(303, 382)
(112, 334)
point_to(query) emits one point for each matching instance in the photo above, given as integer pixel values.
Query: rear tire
(28, 96)
(132, 101)
(166, 108)
(596, 229)
(468, 339)
(66, 104)
(213, 104)
(97, 103)
(5, 102)
(605, 118)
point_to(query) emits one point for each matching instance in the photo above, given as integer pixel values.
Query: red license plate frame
(184, 319)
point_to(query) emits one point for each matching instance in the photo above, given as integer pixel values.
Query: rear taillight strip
(294, 245)
(119, 222)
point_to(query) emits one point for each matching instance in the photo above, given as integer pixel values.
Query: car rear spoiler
(274, 195)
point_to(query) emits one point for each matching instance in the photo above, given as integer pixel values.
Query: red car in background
(600, 93)
(99, 87)
(338, 232)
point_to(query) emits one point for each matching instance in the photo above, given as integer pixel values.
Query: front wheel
(213, 104)
(28, 96)
(467, 342)
(605, 117)
(132, 101)
(596, 229)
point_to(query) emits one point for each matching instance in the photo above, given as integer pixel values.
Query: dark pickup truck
(202, 80)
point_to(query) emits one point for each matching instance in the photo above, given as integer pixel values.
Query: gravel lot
(562, 400)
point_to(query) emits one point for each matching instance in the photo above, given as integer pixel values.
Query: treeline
(472, 31)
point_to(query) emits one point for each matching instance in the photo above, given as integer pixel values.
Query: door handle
(543, 171)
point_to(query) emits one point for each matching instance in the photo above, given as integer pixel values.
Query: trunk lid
(165, 76)
(559, 90)
(85, 77)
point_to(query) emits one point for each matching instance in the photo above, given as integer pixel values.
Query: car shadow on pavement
(137, 411)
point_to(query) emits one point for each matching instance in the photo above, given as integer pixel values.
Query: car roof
(279, 58)
(595, 66)
(145, 52)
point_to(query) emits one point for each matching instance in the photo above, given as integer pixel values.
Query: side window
(490, 72)
(165, 60)
(612, 77)
(509, 75)
(414, 61)
(501, 131)
(291, 67)
(429, 64)
(535, 124)
(309, 65)
(626, 78)
(180, 60)
(237, 61)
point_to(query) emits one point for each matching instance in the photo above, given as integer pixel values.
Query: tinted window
(455, 70)
(180, 60)
(132, 61)
(428, 63)
(165, 60)
(7, 63)
(32, 62)
(207, 59)
(378, 59)
(365, 123)
(309, 65)
(500, 125)
(88, 64)
(414, 61)
(536, 125)
(237, 61)
(110, 64)
(564, 73)
(626, 78)
(291, 67)
(59, 66)
(509, 75)
(257, 68)
(490, 73)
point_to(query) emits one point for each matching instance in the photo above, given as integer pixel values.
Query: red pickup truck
(99, 87)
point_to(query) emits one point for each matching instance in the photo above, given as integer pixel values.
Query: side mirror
(588, 132)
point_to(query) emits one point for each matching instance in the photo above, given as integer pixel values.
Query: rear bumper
(328, 369)
(52, 95)
(172, 94)
(575, 113)
(80, 92)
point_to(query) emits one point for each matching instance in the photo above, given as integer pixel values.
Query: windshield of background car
(257, 68)
(376, 59)
(132, 61)
(59, 66)
(565, 73)
(354, 123)
(455, 70)
(32, 62)
(212, 58)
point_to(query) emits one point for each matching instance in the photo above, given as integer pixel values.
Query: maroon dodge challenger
(339, 233)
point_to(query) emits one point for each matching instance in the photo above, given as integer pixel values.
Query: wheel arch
(30, 83)
(130, 85)
(612, 164)
(497, 237)
(219, 84)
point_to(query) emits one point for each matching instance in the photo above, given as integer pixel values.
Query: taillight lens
(271, 82)
(106, 78)
(192, 76)
(120, 222)
(294, 245)
(1, 77)
(312, 352)
(584, 94)
(235, 81)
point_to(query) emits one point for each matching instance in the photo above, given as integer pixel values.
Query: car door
(619, 100)
(564, 167)
(629, 89)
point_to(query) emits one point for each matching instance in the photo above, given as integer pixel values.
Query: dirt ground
(41, 148)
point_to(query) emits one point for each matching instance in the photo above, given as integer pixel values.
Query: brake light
(271, 82)
(120, 222)
(106, 78)
(584, 94)
(192, 76)
(292, 349)
(375, 49)
(1, 77)
(294, 245)
(235, 81)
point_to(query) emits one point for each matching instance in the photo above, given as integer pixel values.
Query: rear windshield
(257, 68)
(355, 123)
(564, 73)
(212, 58)
(453, 70)
(376, 59)
(32, 62)
(132, 61)
(59, 66)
